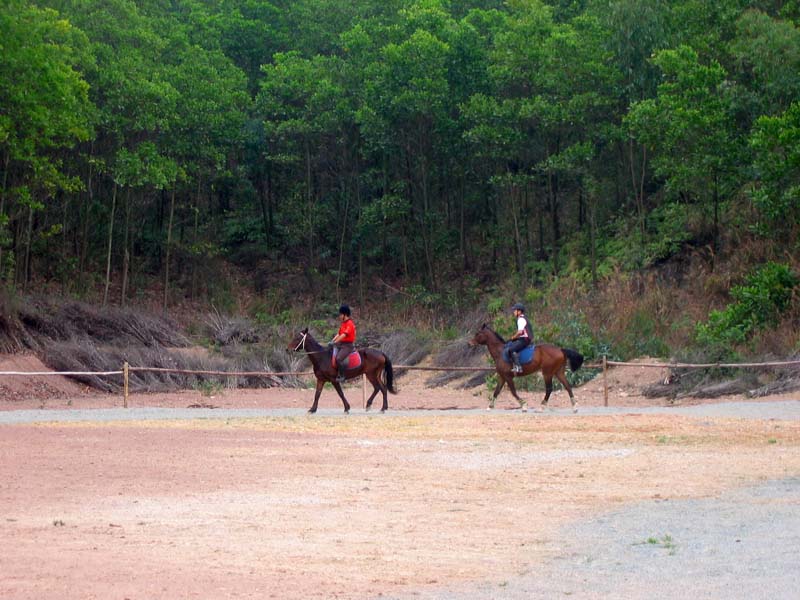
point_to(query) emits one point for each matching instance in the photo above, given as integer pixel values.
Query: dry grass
(225, 330)
(460, 353)
(65, 321)
(404, 347)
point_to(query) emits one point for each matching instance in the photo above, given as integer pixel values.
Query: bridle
(301, 345)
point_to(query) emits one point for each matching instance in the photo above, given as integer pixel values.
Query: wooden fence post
(363, 391)
(125, 385)
(605, 381)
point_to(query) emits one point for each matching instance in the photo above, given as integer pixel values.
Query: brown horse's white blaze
(374, 364)
(550, 359)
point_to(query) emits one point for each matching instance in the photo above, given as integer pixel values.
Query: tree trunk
(638, 188)
(195, 235)
(309, 195)
(341, 243)
(6, 162)
(110, 242)
(427, 226)
(125, 251)
(195, 258)
(555, 219)
(270, 203)
(517, 241)
(542, 208)
(462, 234)
(84, 247)
(592, 210)
(26, 274)
(265, 219)
(169, 247)
(384, 221)
(715, 241)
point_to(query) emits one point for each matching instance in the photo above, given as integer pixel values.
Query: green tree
(45, 107)
(205, 131)
(767, 63)
(305, 111)
(776, 144)
(691, 131)
(554, 93)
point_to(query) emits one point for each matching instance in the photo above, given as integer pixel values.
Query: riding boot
(340, 378)
(517, 368)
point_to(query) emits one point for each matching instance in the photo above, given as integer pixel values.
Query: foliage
(758, 303)
(459, 152)
(776, 141)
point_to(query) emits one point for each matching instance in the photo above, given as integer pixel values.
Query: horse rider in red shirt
(344, 341)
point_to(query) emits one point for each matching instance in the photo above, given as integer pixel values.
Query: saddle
(353, 361)
(525, 356)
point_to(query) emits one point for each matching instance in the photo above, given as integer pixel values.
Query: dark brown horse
(551, 359)
(373, 364)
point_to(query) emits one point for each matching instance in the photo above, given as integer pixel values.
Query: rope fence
(604, 365)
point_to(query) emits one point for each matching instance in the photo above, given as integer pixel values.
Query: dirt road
(299, 507)
(459, 504)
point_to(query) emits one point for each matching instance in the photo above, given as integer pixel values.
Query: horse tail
(389, 375)
(575, 358)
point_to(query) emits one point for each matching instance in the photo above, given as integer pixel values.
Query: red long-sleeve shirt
(348, 329)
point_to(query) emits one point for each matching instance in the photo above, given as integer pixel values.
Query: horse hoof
(489, 407)
(524, 408)
(383, 410)
(574, 409)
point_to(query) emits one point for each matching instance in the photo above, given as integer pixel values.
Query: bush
(757, 304)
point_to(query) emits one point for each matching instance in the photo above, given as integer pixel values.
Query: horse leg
(513, 389)
(320, 384)
(548, 388)
(375, 389)
(562, 377)
(338, 387)
(384, 389)
(500, 383)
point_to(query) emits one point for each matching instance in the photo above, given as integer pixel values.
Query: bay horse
(551, 359)
(373, 364)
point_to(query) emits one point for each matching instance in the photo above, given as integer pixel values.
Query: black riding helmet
(518, 306)
(344, 310)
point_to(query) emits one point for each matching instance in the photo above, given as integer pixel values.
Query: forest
(629, 169)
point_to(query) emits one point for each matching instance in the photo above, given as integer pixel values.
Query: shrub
(758, 304)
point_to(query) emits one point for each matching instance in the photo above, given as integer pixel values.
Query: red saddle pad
(353, 361)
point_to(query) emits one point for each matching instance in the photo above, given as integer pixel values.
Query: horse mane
(497, 335)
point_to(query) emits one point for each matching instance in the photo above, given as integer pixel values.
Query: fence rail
(63, 373)
(779, 363)
(604, 365)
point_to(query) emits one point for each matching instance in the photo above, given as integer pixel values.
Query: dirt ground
(330, 507)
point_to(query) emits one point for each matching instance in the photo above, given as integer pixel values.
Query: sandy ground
(448, 504)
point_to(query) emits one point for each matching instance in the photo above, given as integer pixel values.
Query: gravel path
(787, 410)
(744, 544)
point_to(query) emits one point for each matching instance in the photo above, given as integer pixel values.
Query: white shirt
(522, 323)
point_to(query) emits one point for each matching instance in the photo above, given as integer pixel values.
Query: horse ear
(483, 326)
(305, 331)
